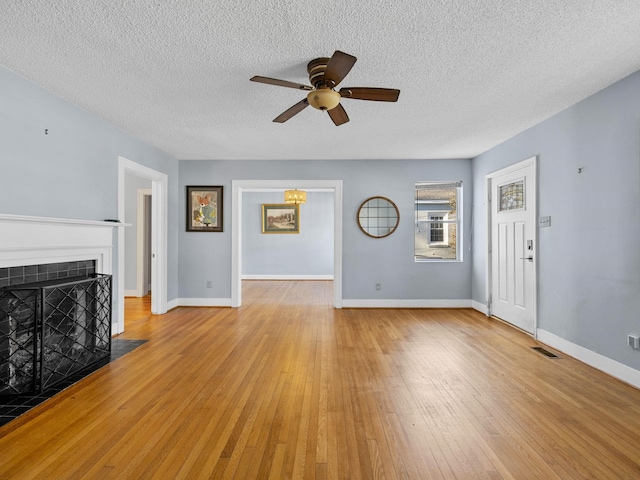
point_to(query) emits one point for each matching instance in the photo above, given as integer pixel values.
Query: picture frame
(205, 208)
(280, 218)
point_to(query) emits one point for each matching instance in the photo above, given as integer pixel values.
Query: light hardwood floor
(288, 387)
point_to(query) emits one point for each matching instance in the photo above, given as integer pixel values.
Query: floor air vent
(544, 352)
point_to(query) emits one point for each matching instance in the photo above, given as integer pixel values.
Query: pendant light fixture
(297, 197)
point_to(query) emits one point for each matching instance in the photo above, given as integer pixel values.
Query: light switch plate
(544, 221)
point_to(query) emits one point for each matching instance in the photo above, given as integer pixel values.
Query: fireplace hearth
(52, 329)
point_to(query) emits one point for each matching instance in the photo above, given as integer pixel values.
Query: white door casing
(239, 186)
(513, 245)
(159, 235)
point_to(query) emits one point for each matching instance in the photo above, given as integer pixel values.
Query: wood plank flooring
(288, 387)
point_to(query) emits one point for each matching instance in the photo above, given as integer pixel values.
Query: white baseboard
(354, 303)
(204, 302)
(398, 303)
(131, 293)
(171, 304)
(346, 303)
(287, 277)
(481, 307)
(605, 364)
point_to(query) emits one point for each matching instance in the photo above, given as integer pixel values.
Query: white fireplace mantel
(26, 240)
(29, 218)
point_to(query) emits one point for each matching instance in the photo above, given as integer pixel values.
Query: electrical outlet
(378, 286)
(209, 284)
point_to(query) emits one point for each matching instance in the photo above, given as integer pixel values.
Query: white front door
(512, 204)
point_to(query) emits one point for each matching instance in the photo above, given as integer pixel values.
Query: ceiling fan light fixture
(323, 98)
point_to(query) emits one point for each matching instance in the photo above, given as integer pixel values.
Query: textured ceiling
(175, 74)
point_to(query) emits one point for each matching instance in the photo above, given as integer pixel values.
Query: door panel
(502, 254)
(520, 280)
(513, 238)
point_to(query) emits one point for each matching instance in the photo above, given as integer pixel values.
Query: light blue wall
(366, 261)
(71, 172)
(305, 254)
(589, 259)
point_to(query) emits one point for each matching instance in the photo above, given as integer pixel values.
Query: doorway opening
(143, 242)
(241, 186)
(279, 262)
(137, 275)
(158, 239)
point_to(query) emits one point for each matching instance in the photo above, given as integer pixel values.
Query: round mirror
(378, 217)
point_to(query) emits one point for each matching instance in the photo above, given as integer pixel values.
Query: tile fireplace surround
(13, 276)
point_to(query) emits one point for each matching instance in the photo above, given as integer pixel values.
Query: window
(438, 224)
(436, 229)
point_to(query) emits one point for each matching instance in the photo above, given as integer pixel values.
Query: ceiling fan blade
(338, 115)
(290, 112)
(375, 94)
(338, 67)
(280, 83)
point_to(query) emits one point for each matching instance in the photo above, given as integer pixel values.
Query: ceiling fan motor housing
(316, 69)
(323, 97)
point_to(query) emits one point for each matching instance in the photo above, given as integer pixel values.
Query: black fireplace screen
(51, 330)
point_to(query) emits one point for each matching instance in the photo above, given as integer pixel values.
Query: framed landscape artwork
(277, 218)
(204, 209)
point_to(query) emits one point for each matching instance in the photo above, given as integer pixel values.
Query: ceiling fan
(325, 74)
